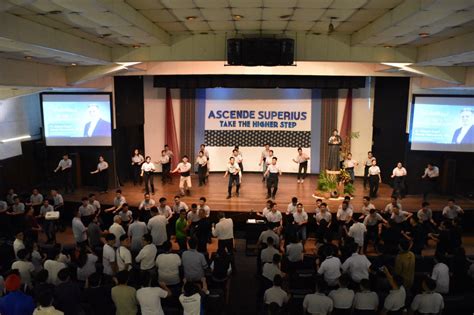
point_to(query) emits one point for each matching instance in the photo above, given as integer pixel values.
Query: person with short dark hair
(233, 171)
(405, 264)
(330, 268)
(201, 162)
(45, 307)
(108, 255)
(395, 300)
(97, 296)
(184, 169)
(266, 255)
(149, 297)
(147, 172)
(24, 266)
(302, 161)
(451, 211)
(194, 264)
(136, 230)
(67, 294)
(270, 270)
(356, 266)
(399, 174)
(342, 297)
(365, 300)
(429, 301)
(146, 256)
(168, 265)
(440, 274)
(202, 231)
(123, 254)
(272, 173)
(276, 294)
(102, 172)
(264, 159)
(165, 161)
(318, 303)
(181, 230)
(224, 232)
(430, 179)
(374, 178)
(65, 166)
(124, 296)
(191, 299)
(79, 229)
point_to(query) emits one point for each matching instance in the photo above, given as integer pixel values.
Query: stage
(253, 194)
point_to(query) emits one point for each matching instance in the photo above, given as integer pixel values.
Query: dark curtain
(187, 122)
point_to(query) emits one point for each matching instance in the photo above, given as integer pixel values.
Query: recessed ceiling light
(73, 64)
(28, 57)
(316, 33)
(284, 17)
(237, 17)
(191, 18)
(424, 34)
(55, 12)
(136, 46)
(387, 46)
(204, 33)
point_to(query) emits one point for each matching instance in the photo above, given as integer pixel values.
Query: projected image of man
(465, 134)
(96, 127)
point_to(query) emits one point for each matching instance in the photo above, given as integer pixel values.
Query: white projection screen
(77, 119)
(442, 123)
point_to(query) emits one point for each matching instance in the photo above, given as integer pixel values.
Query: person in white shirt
(344, 217)
(440, 274)
(65, 166)
(387, 212)
(274, 216)
(357, 231)
(292, 206)
(102, 172)
(117, 230)
(146, 256)
(356, 266)
(108, 255)
(365, 299)
(276, 294)
(137, 161)
(190, 299)
(429, 301)
(149, 297)
(165, 161)
(78, 229)
(300, 218)
(395, 300)
(87, 211)
(374, 179)
(343, 297)
(184, 169)
(330, 268)
(163, 209)
(302, 161)
(18, 243)
(373, 223)
(54, 266)
(119, 201)
(272, 172)
(168, 265)
(239, 160)
(157, 227)
(269, 232)
(425, 217)
(24, 267)
(145, 206)
(318, 303)
(349, 165)
(266, 255)
(136, 230)
(323, 222)
(148, 171)
(264, 159)
(48, 225)
(123, 254)
(233, 171)
(224, 231)
(36, 199)
(399, 174)
(86, 264)
(294, 251)
(399, 216)
(270, 270)
(452, 210)
(202, 205)
(367, 165)
(201, 162)
(366, 206)
(430, 178)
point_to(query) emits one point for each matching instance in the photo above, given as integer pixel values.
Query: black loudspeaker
(234, 51)
(251, 52)
(287, 52)
(270, 52)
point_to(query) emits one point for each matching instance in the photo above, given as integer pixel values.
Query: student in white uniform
(318, 302)
(302, 161)
(430, 179)
(184, 169)
(357, 231)
(201, 162)
(366, 206)
(148, 171)
(399, 174)
(367, 165)
(429, 301)
(273, 172)
(102, 172)
(440, 274)
(365, 300)
(374, 179)
(395, 300)
(349, 165)
(343, 297)
(452, 210)
(165, 162)
(264, 158)
(65, 166)
(239, 160)
(233, 171)
(137, 161)
(330, 268)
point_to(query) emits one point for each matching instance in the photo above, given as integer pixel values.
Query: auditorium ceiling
(101, 33)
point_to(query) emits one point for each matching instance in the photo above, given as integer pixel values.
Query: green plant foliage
(326, 182)
(349, 188)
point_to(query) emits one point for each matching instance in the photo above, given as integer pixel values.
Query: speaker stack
(260, 52)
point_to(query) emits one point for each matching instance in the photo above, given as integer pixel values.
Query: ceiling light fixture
(331, 26)
(424, 34)
(387, 46)
(55, 12)
(237, 17)
(73, 64)
(284, 17)
(136, 46)
(191, 18)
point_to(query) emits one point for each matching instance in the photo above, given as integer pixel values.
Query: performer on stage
(102, 172)
(349, 165)
(233, 171)
(65, 166)
(273, 171)
(374, 179)
(399, 174)
(137, 160)
(367, 164)
(202, 148)
(263, 159)
(148, 171)
(184, 168)
(335, 142)
(201, 161)
(238, 159)
(165, 162)
(302, 161)
(430, 178)
(168, 152)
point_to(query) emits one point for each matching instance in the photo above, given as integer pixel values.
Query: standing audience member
(194, 265)
(146, 256)
(67, 294)
(124, 296)
(405, 264)
(356, 266)
(276, 294)
(45, 304)
(149, 297)
(123, 254)
(15, 302)
(168, 265)
(157, 227)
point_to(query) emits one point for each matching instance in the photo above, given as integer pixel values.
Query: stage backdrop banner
(250, 118)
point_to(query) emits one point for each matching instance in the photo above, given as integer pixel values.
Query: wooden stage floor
(253, 194)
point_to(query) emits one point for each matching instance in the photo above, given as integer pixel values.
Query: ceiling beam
(82, 74)
(31, 74)
(457, 48)
(453, 75)
(54, 41)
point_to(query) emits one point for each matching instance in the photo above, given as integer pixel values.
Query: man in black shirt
(97, 296)
(202, 230)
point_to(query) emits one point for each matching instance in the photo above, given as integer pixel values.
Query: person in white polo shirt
(330, 268)
(224, 232)
(374, 179)
(302, 161)
(440, 274)
(430, 179)
(276, 294)
(108, 255)
(399, 174)
(452, 210)
(365, 300)
(146, 256)
(300, 218)
(184, 169)
(123, 254)
(358, 231)
(395, 300)
(356, 266)
(147, 172)
(78, 229)
(343, 297)
(318, 303)
(273, 172)
(233, 171)
(429, 301)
